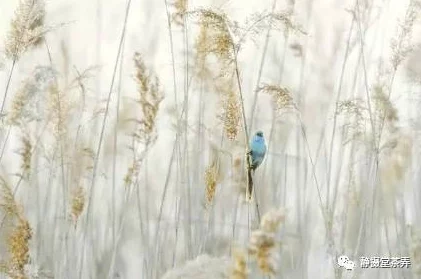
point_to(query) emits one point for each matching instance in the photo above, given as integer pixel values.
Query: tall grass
(150, 178)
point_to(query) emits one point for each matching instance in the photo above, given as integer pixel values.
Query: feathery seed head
(201, 47)
(263, 241)
(355, 115)
(150, 98)
(401, 46)
(281, 96)
(239, 271)
(211, 180)
(23, 108)
(271, 220)
(27, 28)
(58, 109)
(384, 106)
(18, 246)
(132, 172)
(231, 114)
(180, 11)
(26, 155)
(7, 202)
(215, 37)
(78, 203)
(18, 239)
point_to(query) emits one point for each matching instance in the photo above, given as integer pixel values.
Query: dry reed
(17, 240)
(231, 113)
(281, 96)
(27, 28)
(149, 100)
(78, 200)
(263, 241)
(180, 11)
(26, 156)
(211, 180)
(239, 271)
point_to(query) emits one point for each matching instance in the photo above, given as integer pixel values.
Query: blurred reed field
(124, 127)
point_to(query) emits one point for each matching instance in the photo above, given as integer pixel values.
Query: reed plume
(239, 271)
(211, 180)
(401, 45)
(281, 96)
(84, 157)
(59, 110)
(26, 155)
(17, 240)
(27, 28)
(231, 113)
(18, 246)
(131, 173)
(24, 104)
(7, 202)
(263, 241)
(78, 199)
(180, 11)
(150, 98)
(355, 117)
(215, 40)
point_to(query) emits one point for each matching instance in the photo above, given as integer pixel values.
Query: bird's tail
(249, 184)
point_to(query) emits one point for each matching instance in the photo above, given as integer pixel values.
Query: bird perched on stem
(255, 156)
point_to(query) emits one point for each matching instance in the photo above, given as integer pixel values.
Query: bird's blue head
(259, 134)
(258, 137)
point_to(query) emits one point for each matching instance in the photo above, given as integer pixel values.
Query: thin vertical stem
(98, 151)
(7, 86)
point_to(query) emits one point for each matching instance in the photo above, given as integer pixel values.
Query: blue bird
(256, 155)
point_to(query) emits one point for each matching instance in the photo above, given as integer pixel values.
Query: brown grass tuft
(383, 106)
(257, 22)
(131, 173)
(18, 246)
(149, 100)
(201, 45)
(401, 46)
(180, 11)
(18, 239)
(281, 96)
(239, 270)
(215, 39)
(77, 203)
(82, 167)
(26, 155)
(355, 116)
(27, 28)
(263, 241)
(211, 180)
(59, 110)
(18, 104)
(3, 268)
(7, 201)
(283, 20)
(231, 114)
(24, 104)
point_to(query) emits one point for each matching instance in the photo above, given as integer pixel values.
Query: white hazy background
(369, 191)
